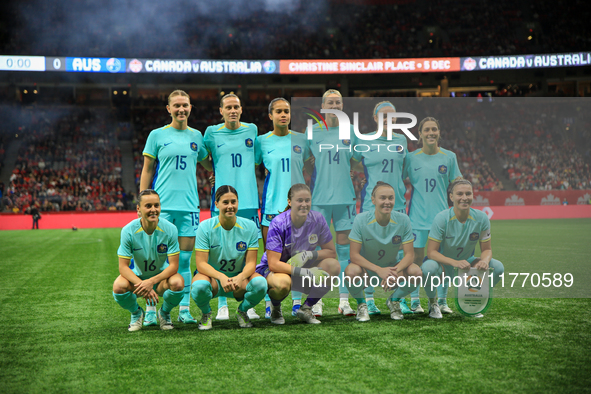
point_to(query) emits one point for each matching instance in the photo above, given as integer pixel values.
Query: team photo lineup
(382, 242)
(289, 196)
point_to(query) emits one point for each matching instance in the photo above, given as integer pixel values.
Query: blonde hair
(329, 92)
(178, 92)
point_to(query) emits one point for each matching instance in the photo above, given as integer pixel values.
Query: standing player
(231, 145)
(226, 256)
(333, 194)
(291, 255)
(384, 162)
(170, 167)
(376, 238)
(151, 245)
(452, 241)
(430, 170)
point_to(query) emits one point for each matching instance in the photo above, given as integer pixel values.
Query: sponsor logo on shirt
(248, 143)
(135, 250)
(312, 238)
(396, 239)
(442, 169)
(221, 144)
(193, 146)
(416, 169)
(214, 246)
(474, 236)
(162, 248)
(241, 246)
(167, 143)
(268, 152)
(297, 149)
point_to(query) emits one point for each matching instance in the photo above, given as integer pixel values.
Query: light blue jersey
(300, 152)
(380, 245)
(275, 153)
(383, 162)
(458, 240)
(227, 249)
(331, 181)
(176, 153)
(233, 157)
(430, 176)
(149, 251)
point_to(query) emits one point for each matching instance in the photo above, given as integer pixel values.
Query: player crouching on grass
(291, 261)
(376, 238)
(452, 240)
(148, 263)
(226, 249)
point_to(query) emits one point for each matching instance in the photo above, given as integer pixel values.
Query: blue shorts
(185, 222)
(342, 215)
(421, 237)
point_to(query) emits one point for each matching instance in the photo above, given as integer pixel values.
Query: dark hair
(272, 103)
(429, 119)
(223, 190)
(146, 192)
(460, 181)
(227, 96)
(380, 184)
(294, 189)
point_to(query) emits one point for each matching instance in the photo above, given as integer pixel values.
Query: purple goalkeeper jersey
(284, 238)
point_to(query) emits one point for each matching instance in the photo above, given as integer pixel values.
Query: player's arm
(485, 255)
(309, 164)
(250, 264)
(203, 267)
(275, 263)
(206, 163)
(434, 254)
(126, 272)
(409, 257)
(357, 258)
(147, 172)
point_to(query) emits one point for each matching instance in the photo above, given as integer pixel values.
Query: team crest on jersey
(241, 246)
(162, 248)
(399, 148)
(297, 149)
(346, 142)
(248, 143)
(442, 169)
(312, 239)
(474, 236)
(270, 217)
(194, 146)
(396, 239)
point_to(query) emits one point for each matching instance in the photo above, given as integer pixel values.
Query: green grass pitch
(61, 331)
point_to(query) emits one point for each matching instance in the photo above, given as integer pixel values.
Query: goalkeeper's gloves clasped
(300, 259)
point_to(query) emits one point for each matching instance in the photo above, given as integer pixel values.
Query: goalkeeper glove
(316, 274)
(300, 259)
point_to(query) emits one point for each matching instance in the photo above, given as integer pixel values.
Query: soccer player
(148, 263)
(170, 167)
(452, 240)
(333, 194)
(291, 260)
(231, 145)
(283, 153)
(376, 238)
(430, 169)
(383, 162)
(226, 254)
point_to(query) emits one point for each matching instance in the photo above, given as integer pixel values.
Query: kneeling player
(452, 240)
(292, 261)
(226, 251)
(151, 245)
(376, 238)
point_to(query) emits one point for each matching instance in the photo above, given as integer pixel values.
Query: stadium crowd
(69, 160)
(301, 30)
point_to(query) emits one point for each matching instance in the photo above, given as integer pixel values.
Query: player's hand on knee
(463, 264)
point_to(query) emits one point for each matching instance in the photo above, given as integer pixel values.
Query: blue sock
(201, 293)
(185, 272)
(267, 298)
(360, 301)
(171, 299)
(255, 292)
(296, 295)
(222, 301)
(369, 291)
(127, 301)
(343, 256)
